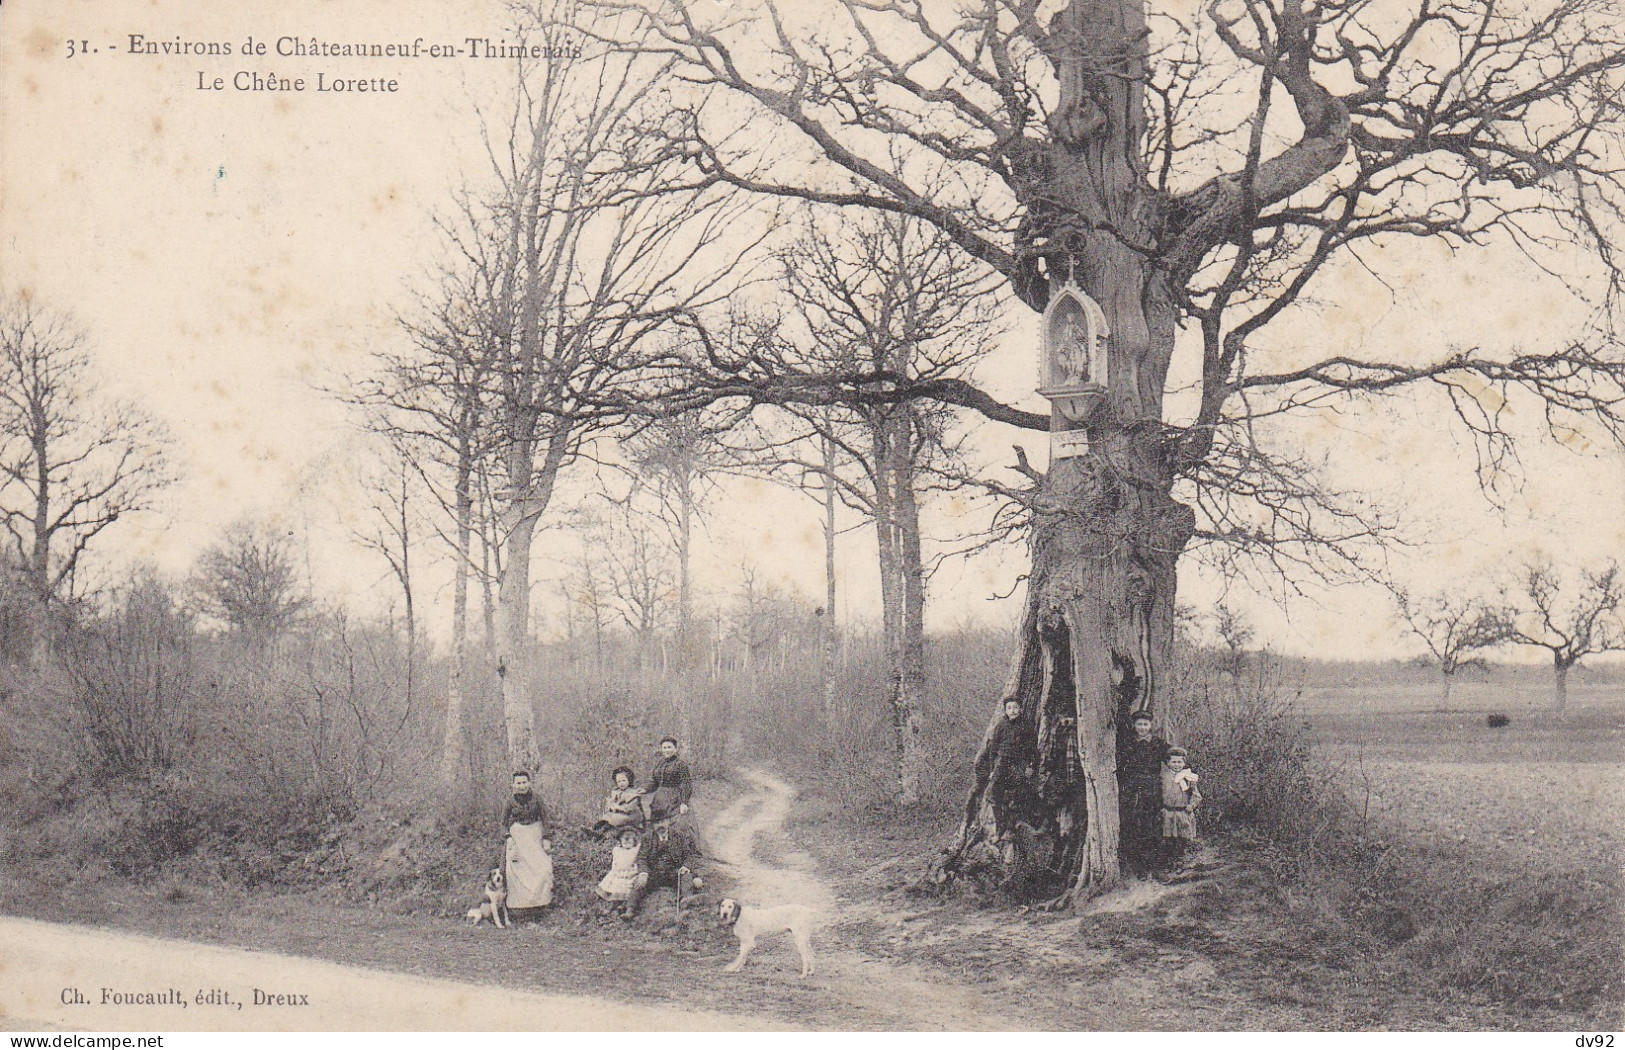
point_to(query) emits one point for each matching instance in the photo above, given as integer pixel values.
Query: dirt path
(748, 836)
(65, 977)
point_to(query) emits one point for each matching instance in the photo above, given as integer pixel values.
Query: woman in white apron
(526, 863)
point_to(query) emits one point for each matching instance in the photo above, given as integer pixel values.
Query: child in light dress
(616, 886)
(1180, 797)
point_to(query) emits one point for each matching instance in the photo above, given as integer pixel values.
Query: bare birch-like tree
(430, 403)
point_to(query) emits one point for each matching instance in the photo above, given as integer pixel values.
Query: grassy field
(1540, 790)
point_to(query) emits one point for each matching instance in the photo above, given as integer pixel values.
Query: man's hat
(1138, 715)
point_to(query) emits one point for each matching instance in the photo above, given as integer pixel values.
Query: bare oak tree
(1572, 619)
(885, 294)
(1193, 171)
(637, 576)
(1454, 629)
(249, 580)
(72, 463)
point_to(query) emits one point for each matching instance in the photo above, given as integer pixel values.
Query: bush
(587, 724)
(129, 679)
(1255, 754)
(1496, 720)
(334, 712)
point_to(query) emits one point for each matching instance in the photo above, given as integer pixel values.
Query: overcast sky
(234, 252)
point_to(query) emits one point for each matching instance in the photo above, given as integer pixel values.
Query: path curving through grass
(748, 837)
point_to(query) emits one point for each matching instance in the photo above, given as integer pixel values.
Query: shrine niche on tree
(1073, 367)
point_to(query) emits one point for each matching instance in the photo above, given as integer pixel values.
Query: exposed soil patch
(768, 868)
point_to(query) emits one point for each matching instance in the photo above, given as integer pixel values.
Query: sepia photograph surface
(877, 515)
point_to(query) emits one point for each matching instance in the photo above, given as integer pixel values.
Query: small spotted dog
(495, 904)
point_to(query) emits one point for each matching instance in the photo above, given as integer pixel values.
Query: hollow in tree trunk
(1097, 631)
(1096, 636)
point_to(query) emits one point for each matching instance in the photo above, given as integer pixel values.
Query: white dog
(495, 904)
(751, 923)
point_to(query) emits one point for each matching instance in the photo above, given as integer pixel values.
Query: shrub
(330, 712)
(1255, 754)
(129, 680)
(1496, 720)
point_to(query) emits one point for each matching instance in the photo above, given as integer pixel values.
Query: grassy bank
(1474, 889)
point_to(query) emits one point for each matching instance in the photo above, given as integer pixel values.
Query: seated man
(669, 854)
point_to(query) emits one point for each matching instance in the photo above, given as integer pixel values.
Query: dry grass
(1506, 847)
(1476, 885)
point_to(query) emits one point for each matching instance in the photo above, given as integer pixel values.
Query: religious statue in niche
(1073, 368)
(1072, 344)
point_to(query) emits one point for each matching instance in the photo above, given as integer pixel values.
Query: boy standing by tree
(1139, 784)
(1006, 764)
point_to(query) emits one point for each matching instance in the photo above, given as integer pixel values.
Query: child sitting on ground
(616, 886)
(624, 806)
(1180, 797)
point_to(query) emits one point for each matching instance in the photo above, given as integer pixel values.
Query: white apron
(530, 869)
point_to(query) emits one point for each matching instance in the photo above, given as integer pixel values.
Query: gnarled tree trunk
(1095, 638)
(1097, 631)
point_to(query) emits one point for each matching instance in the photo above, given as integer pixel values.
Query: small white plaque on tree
(1065, 444)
